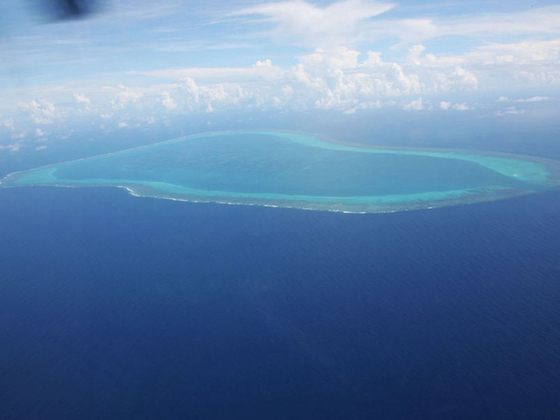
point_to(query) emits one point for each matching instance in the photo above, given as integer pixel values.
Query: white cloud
(168, 102)
(461, 107)
(265, 63)
(456, 107)
(504, 52)
(349, 22)
(364, 105)
(338, 78)
(510, 111)
(9, 124)
(528, 52)
(43, 147)
(416, 105)
(81, 99)
(15, 147)
(304, 23)
(502, 99)
(39, 133)
(124, 97)
(463, 79)
(17, 136)
(264, 70)
(41, 112)
(186, 95)
(414, 53)
(536, 20)
(525, 52)
(534, 99)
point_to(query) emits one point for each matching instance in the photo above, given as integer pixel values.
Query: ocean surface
(117, 307)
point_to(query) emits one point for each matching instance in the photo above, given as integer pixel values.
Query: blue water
(115, 307)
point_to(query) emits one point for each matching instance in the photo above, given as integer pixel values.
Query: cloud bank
(350, 56)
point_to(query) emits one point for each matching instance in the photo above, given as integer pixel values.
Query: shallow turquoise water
(301, 170)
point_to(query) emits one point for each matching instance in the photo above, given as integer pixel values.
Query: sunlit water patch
(287, 169)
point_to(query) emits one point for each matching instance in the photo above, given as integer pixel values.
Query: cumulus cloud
(187, 95)
(15, 147)
(124, 97)
(39, 133)
(9, 124)
(416, 105)
(17, 136)
(456, 107)
(81, 99)
(356, 55)
(168, 102)
(414, 54)
(338, 78)
(41, 112)
(461, 107)
(522, 64)
(525, 52)
(364, 105)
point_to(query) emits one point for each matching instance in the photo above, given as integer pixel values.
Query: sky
(137, 63)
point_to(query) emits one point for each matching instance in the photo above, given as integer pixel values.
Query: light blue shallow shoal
(288, 169)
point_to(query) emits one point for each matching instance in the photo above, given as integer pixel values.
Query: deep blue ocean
(116, 307)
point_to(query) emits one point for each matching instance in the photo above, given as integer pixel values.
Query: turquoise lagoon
(286, 169)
